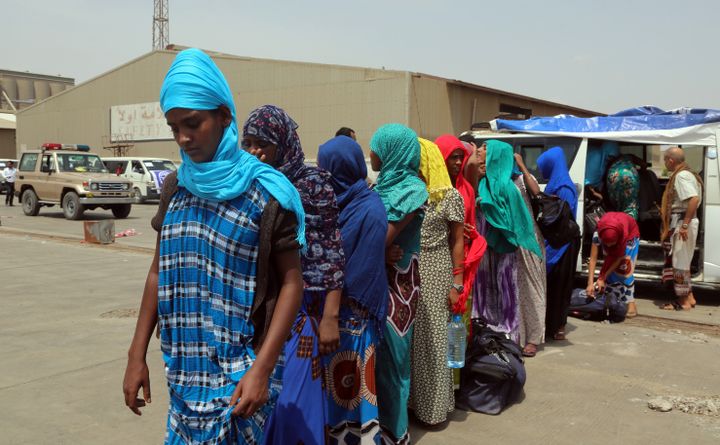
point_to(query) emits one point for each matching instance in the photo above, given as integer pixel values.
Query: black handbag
(494, 373)
(555, 220)
(593, 212)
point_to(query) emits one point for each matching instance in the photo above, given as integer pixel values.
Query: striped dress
(207, 282)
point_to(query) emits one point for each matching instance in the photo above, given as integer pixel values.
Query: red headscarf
(475, 245)
(616, 228)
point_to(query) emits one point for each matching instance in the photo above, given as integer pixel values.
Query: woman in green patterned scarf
(505, 222)
(395, 152)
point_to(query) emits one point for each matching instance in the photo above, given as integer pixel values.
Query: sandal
(530, 350)
(675, 306)
(560, 335)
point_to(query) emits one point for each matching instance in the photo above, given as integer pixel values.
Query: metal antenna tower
(161, 25)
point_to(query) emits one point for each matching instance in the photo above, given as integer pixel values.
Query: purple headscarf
(274, 125)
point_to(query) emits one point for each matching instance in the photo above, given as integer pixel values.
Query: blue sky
(601, 55)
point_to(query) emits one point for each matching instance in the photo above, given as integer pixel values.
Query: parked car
(72, 177)
(147, 174)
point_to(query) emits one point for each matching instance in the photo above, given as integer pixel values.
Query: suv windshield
(159, 165)
(80, 163)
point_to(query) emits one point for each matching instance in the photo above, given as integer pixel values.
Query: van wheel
(71, 206)
(121, 211)
(30, 204)
(137, 194)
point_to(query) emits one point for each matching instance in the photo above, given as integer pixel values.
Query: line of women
(256, 352)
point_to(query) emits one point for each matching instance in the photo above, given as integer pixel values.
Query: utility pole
(161, 25)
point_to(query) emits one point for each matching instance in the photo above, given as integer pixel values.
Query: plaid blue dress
(207, 282)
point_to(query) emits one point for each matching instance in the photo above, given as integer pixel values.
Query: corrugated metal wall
(321, 99)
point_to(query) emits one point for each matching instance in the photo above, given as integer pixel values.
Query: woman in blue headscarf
(225, 223)
(299, 416)
(395, 152)
(352, 411)
(560, 262)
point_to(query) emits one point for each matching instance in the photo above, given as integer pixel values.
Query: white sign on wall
(138, 122)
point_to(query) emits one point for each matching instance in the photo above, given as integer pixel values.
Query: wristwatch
(458, 287)
(684, 226)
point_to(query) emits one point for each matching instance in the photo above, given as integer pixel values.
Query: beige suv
(70, 176)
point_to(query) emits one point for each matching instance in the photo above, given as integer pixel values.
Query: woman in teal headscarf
(220, 333)
(395, 152)
(505, 222)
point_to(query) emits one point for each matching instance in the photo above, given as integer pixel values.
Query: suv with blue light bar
(71, 176)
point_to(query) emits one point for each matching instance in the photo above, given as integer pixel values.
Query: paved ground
(66, 319)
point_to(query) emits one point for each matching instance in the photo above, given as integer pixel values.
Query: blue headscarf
(398, 184)
(597, 161)
(195, 82)
(363, 225)
(554, 168)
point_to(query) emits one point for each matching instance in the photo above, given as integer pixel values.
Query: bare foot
(631, 310)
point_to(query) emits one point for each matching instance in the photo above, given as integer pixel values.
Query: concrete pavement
(67, 317)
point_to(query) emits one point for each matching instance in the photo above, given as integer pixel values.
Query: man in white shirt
(10, 175)
(680, 202)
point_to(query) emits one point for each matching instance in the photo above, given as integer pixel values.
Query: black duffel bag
(494, 373)
(555, 220)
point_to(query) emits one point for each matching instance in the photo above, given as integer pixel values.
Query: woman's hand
(250, 394)
(393, 254)
(519, 160)
(453, 297)
(258, 153)
(590, 290)
(137, 375)
(329, 334)
(600, 285)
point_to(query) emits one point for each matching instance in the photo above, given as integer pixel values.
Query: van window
(116, 167)
(694, 157)
(532, 148)
(28, 162)
(159, 164)
(137, 168)
(531, 151)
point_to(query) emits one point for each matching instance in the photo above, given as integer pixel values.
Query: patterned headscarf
(195, 82)
(274, 125)
(398, 185)
(433, 169)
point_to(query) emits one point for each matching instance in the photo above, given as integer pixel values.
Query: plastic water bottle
(456, 342)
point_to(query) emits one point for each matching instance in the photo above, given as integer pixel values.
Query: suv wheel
(121, 211)
(30, 204)
(71, 206)
(137, 194)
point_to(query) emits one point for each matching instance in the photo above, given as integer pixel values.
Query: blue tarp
(631, 120)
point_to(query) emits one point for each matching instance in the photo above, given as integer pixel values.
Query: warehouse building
(119, 111)
(19, 90)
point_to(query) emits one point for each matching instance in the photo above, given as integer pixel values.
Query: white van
(701, 154)
(146, 174)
